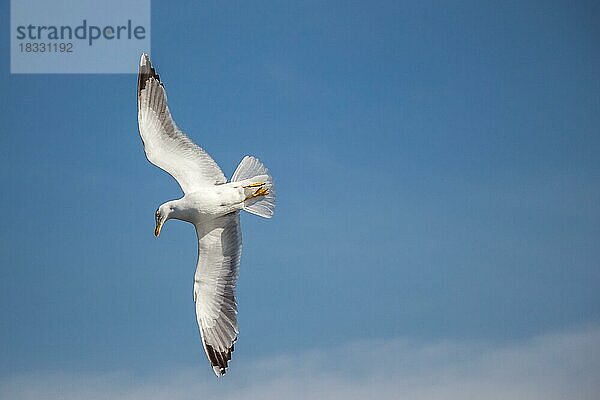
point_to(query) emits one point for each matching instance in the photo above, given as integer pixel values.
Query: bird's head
(162, 215)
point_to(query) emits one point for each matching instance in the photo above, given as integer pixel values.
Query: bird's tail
(258, 185)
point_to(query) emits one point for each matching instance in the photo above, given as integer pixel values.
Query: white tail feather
(254, 171)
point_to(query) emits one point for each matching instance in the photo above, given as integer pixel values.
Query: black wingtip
(146, 72)
(219, 360)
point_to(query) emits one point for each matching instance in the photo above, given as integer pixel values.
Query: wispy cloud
(552, 366)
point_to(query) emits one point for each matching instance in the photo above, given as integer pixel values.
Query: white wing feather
(219, 251)
(165, 145)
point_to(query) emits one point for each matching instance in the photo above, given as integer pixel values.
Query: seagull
(211, 204)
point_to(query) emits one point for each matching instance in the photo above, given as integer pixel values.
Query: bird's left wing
(165, 145)
(219, 251)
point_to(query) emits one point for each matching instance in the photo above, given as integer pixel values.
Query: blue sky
(438, 181)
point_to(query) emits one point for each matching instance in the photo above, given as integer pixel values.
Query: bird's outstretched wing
(219, 251)
(165, 145)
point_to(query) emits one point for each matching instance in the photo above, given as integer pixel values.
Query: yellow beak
(157, 229)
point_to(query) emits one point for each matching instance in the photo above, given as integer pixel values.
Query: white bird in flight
(210, 203)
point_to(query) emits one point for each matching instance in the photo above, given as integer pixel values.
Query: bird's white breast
(211, 202)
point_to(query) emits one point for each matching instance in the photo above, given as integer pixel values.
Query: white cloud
(552, 366)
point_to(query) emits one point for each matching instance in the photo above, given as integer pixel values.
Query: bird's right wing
(219, 252)
(165, 145)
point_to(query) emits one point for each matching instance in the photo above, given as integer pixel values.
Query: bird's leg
(262, 191)
(257, 184)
